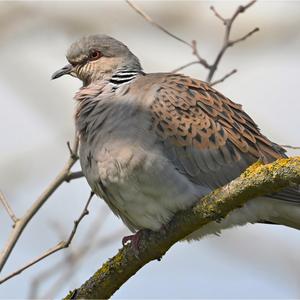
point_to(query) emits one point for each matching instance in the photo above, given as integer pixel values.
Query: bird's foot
(134, 239)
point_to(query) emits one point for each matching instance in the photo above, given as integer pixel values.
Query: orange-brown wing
(207, 136)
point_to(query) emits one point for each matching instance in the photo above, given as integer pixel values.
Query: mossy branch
(257, 180)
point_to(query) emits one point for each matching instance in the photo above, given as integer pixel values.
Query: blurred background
(36, 121)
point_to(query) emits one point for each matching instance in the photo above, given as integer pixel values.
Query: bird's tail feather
(291, 218)
(288, 207)
(273, 209)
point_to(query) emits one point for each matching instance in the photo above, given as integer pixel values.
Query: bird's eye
(94, 55)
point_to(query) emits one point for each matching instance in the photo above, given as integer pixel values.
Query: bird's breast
(114, 138)
(125, 164)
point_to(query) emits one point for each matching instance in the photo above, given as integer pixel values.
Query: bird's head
(97, 57)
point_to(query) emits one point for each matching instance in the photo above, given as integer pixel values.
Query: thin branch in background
(212, 68)
(74, 175)
(185, 66)
(66, 267)
(71, 258)
(227, 22)
(8, 208)
(61, 245)
(192, 45)
(218, 15)
(150, 20)
(226, 41)
(201, 60)
(290, 147)
(77, 258)
(231, 43)
(224, 77)
(73, 152)
(52, 187)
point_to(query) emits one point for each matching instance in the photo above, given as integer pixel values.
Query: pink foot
(134, 240)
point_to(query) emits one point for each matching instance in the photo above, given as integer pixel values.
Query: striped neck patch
(123, 76)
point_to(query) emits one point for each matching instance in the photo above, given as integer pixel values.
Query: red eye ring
(94, 54)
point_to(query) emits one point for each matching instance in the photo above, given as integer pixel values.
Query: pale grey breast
(125, 163)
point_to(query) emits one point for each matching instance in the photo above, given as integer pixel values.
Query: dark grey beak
(63, 71)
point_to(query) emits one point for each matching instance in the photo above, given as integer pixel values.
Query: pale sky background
(255, 261)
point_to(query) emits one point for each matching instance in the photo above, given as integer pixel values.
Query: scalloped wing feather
(207, 136)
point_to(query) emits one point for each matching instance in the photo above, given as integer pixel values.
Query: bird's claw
(134, 240)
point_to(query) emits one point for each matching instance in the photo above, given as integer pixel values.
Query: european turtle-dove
(153, 144)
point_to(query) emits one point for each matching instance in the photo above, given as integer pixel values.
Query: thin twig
(150, 20)
(71, 257)
(76, 222)
(73, 154)
(61, 245)
(8, 208)
(201, 60)
(192, 45)
(212, 68)
(69, 263)
(231, 43)
(185, 66)
(74, 175)
(34, 261)
(241, 9)
(22, 222)
(218, 15)
(226, 41)
(224, 77)
(290, 147)
(77, 257)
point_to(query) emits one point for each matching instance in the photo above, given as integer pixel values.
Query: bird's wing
(208, 137)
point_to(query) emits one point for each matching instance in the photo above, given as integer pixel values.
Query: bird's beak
(63, 71)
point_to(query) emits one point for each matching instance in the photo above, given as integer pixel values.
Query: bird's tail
(287, 205)
(282, 208)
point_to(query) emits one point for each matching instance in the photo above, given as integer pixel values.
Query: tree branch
(68, 264)
(192, 45)
(76, 260)
(224, 77)
(185, 66)
(231, 43)
(291, 147)
(257, 180)
(8, 208)
(227, 42)
(150, 20)
(21, 223)
(211, 67)
(61, 245)
(218, 15)
(74, 175)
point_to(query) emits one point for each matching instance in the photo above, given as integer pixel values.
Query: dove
(152, 144)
